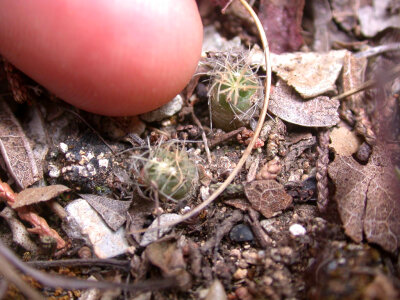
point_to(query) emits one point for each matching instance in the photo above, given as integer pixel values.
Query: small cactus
(235, 93)
(170, 173)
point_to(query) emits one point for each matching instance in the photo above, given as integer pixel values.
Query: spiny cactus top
(234, 93)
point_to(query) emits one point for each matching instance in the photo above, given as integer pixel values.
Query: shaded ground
(281, 230)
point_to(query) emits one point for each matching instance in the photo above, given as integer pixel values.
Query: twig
(322, 170)
(221, 231)
(9, 273)
(392, 74)
(363, 126)
(378, 50)
(203, 134)
(220, 139)
(56, 281)
(262, 237)
(92, 262)
(257, 131)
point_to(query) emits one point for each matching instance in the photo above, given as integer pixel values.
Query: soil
(300, 251)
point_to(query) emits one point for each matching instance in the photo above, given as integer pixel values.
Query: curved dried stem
(257, 131)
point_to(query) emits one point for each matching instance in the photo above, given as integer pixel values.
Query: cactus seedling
(235, 93)
(169, 172)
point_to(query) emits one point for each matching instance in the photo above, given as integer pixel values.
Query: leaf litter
(368, 198)
(270, 197)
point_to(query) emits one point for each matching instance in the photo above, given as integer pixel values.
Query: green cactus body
(234, 95)
(170, 173)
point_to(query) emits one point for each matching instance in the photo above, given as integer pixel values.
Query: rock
(297, 229)
(216, 291)
(213, 41)
(240, 274)
(165, 111)
(106, 243)
(241, 233)
(151, 234)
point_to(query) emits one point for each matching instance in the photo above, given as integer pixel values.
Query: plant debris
(367, 198)
(289, 106)
(16, 151)
(112, 211)
(267, 196)
(34, 195)
(258, 218)
(106, 243)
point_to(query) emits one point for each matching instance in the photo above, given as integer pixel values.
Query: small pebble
(363, 152)
(297, 229)
(241, 233)
(240, 274)
(63, 147)
(165, 111)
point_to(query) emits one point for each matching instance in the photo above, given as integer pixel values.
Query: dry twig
(257, 131)
(322, 170)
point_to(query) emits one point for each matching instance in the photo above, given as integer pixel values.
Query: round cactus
(170, 173)
(234, 94)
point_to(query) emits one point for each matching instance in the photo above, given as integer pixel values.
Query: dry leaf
(112, 211)
(368, 198)
(267, 196)
(310, 74)
(169, 258)
(282, 23)
(289, 106)
(38, 194)
(16, 150)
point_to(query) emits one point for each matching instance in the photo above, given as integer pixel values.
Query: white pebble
(297, 229)
(63, 147)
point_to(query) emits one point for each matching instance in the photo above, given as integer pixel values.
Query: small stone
(364, 152)
(106, 243)
(216, 291)
(242, 293)
(54, 171)
(241, 233)
(240, 274)
(165, 111)
(235, 253)
(297, 229)
(151, 235)
(63, 147)
(251, 257)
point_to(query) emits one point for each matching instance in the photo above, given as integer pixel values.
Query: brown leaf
(16, 150)
(112, 211)
(289, 106)
(310, 74)
(267, 196)
(282, 23)
(38, 194)
(368, 198)
(169, 258)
